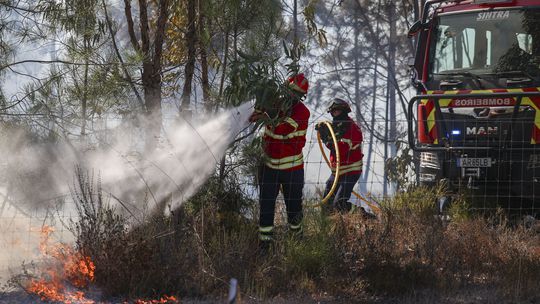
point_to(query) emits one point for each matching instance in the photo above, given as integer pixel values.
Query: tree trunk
(152, 99)
(357, 84)
(117, 51)
(220, 94)
(191, 40)
(295, 25)
(385, 157)
(369, 152)
(87, 49)
(84, 99)
(392, 128)
(204, 58)
(151, 68)
(225, 63)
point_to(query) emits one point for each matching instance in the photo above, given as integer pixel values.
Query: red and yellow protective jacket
(350, 149)
(283, 143)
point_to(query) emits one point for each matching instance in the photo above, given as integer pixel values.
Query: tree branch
(9, 65)
(124, 69)
(131, 29)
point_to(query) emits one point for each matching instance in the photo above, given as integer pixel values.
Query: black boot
(367, 215)
(343, 206)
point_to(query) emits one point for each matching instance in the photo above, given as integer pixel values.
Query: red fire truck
(476, 122)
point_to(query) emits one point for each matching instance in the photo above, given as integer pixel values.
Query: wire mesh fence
(500, 177)
(482, 144)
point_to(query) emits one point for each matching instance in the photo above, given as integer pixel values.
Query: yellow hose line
(336, 147)
(333, 189)
(370, 204)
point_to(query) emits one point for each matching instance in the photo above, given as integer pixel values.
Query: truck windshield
(487, 42)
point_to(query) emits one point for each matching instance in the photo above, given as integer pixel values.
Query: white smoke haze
(18, 243)
(36, 178)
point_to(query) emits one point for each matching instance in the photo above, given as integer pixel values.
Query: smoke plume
(37, 179)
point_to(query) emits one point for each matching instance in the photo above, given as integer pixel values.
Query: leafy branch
(261, 79)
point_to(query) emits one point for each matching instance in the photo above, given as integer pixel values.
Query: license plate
(474, 162)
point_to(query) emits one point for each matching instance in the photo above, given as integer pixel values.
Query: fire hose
(334, 184)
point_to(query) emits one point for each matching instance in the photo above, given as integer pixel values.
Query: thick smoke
(36, 175)
(38, 179)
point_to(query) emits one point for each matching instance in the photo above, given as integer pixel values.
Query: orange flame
(163, 300)
(70, 269)
(68, 266)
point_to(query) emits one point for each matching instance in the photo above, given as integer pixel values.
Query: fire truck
(475, 123)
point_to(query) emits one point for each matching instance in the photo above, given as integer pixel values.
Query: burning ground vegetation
(65, 275)
(406, 255)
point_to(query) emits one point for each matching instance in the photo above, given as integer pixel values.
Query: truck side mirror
(415, 28)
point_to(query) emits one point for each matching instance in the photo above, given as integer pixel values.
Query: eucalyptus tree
(206, 37)
(149, 42)
(249, 29)
(191, 42)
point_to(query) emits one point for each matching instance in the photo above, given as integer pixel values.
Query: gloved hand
(340, 128)
(273, 113)
(319, 126)
(324, 132)
(257, 115)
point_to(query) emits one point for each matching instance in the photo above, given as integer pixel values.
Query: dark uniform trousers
(292, 183)
(340, 199)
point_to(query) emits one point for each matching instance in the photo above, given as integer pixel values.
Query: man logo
(482, 130)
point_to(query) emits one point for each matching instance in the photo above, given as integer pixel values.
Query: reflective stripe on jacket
(283, 143)
(350, 151)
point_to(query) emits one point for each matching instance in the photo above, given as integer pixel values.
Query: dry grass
(200, 247)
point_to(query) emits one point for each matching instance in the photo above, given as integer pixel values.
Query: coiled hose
(334, 185)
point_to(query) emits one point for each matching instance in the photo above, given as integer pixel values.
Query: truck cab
(475, 123)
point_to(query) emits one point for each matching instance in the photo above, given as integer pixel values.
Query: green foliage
(399, 168)
(75, 16)
(424, 202)
(460, 208)
(252, 157)
(71, 95)
(225, 195)
(263, 33)
(313, 30)
(260, 79)
(419, 201)
(313, 255)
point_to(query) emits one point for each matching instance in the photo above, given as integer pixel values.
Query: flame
(67, 268)
(163, 300)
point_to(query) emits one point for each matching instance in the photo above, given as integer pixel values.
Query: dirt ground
(479, 295)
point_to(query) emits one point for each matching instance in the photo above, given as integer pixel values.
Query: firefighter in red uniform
(349, 137)
(283, 163)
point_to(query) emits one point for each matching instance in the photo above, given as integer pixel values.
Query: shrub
(196, 250)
